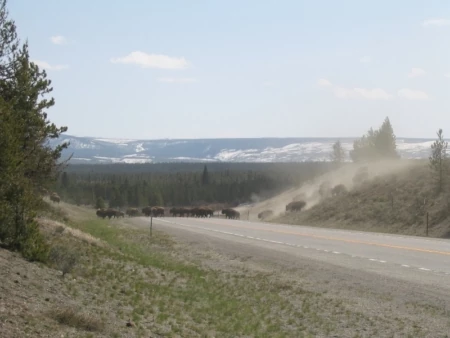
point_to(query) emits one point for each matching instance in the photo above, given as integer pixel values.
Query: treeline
(181, 184)
(27, 164)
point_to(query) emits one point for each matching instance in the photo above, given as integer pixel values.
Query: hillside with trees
(383, 192)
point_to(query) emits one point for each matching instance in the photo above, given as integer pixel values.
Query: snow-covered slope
(101, 150)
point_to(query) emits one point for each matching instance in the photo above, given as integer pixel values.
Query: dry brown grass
(55, 227)
(72, 317)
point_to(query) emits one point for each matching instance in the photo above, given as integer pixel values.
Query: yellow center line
(354, 241)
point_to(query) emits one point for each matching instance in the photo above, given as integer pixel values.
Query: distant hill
(102, 150)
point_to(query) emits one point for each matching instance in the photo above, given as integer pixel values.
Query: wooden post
(151, 225)
(427, 225)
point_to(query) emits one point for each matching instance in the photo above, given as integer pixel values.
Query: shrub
(63, 258)
(34, 247)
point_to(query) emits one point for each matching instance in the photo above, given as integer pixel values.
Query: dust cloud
(309, 191)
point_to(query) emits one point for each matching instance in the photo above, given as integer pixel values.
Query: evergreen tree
(338, 154)
(65, 180)
(205, 176)
(27, 163)
(100, 203)
(438, 161)
(376, 145)
(385, 141)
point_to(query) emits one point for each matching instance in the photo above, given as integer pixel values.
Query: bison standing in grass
(54, 197)
(101, 213)
(295, 206)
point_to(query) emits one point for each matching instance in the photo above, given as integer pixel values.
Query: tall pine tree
(338, 153)
(439, 162)
(27, 162)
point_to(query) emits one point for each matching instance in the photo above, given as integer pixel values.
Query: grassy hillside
(163, 287)
(393, 202)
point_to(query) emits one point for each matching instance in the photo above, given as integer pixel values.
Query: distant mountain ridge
(103, 150)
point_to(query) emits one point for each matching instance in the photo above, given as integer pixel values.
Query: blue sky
(287, 68)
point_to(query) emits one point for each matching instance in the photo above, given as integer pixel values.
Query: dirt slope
(395, 198)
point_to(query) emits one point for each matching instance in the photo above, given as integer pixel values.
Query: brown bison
(157, 211)
(174, 211)
(54, 197)
(181, 212)
(295, 206)
(147, 211)
(110, 213)
(231, 213)
(265, 214)
(101, 213)
(131, 212)
(202, 212)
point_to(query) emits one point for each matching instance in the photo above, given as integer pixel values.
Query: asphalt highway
(413, 258)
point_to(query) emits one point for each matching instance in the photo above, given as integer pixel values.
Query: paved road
(412, 258)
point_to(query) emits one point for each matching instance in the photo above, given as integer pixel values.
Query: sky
(210, 69)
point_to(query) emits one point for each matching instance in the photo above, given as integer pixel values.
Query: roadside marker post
(427, 225)
(151, 225)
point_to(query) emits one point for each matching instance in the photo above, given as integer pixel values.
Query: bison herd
(192, 212)
(160, 212)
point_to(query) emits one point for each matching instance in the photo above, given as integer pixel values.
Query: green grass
(234, 305)
(154, 284)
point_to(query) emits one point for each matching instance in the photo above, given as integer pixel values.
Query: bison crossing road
(174, 212)
(103, 213)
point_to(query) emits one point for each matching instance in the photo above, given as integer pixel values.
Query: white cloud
(58, 40)
(152, 61)
(411, 94)
(47, 66)
(176, 80)
(355, 93)
(416, 72)
(361, 93)
(447, 75)
(324, 83)
(436, 22)
(365, 59)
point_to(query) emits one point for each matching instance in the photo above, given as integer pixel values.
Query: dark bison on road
(231, 213)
